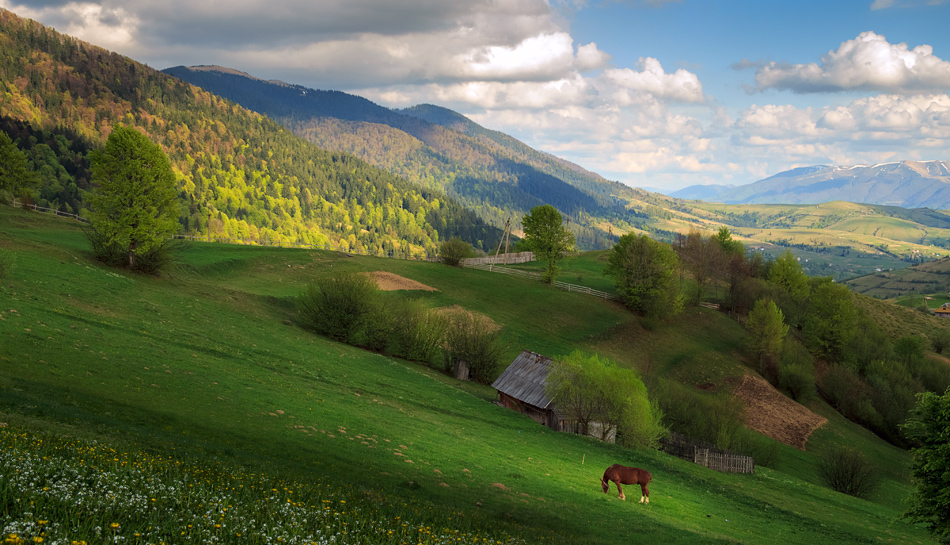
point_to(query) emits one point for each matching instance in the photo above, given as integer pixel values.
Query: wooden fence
(557, 283)
(707, 454)
(506, 259)
(28, 206)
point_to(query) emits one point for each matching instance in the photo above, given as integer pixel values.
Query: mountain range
(908, 184)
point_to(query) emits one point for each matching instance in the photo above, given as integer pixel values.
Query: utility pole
(491, 262)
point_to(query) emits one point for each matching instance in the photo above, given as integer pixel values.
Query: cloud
(867, 62)
(628, 86)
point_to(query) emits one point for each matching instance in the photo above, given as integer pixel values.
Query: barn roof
(524, 379)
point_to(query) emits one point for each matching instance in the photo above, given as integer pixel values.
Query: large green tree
(16, 176)
(929, 426)
(592, 390)
(644, 271)
(134, 205)
(546, 236)
(766, 329)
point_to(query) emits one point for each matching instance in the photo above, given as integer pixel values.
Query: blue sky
(652, 93)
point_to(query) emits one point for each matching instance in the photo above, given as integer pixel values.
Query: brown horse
(627, 475)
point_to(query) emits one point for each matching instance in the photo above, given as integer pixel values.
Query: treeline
(241, 175)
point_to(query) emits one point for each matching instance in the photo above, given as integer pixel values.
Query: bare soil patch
(388, 281)
(770, 412)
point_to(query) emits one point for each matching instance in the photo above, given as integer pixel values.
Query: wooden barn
(521, 388)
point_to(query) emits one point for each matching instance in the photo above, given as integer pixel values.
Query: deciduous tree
(929, 426)
(546, 236)
(134, 206)
(16, 176)
(644, 271)
(766, 328)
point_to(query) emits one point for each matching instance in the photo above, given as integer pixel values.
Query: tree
(766, 328)
(135, 206)
(831, 321)
(929, 427)
(786, 273)
(644, 272)
(703, 257)
(588, 389)
(545, 235)
(16, 176)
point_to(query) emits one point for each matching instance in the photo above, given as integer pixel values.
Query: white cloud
(867, 62)
(627, 85)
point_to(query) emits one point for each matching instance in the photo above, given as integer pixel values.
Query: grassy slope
(209, 361)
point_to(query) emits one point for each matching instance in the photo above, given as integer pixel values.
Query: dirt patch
(388, 281)
(770, 412)
(485, 323)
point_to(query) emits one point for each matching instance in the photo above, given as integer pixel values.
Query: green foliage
(727, 244)
(716, 419)
(545, 235)
(454, 250)
(796, 370)
(587, 389)
(341, 307)
(417, 332)
(477, 341)
(929, 428)
(703, 257)
(832, 320)
(767, 330)
(135, 206)
(644, 271)
(16, 176)
(847, 471)
(786, 273)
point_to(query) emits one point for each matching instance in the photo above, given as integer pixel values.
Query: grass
(203, 377)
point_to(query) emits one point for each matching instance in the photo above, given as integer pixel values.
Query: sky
(661, 94)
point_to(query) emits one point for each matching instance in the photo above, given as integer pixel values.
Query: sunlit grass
(62, 490)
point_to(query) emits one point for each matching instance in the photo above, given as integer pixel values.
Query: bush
(341, 307)
(475, 340)
(846, 470)
(940, 340)
(417, 332)
(454, 250)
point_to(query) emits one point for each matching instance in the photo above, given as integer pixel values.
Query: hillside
(488, 171)
(208, 369)
(908, 184)
(241, 175)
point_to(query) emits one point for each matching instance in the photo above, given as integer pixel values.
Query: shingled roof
(524, 379)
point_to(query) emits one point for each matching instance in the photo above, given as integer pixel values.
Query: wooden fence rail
(706, 454)
(557, 283)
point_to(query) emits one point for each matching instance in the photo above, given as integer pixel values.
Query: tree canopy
(546, 236)
(591, 390)
(134, 206)
(929, 426)
(15, 174)
(644, 271)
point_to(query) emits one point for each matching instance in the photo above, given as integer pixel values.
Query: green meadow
(193, 408)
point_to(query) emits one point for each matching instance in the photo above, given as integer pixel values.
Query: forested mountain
(240, 174)
(488, 171)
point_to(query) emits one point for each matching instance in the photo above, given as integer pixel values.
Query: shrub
(846, 470)
(417, 332)
(476, 341)
(156, 259)
(454, 250)
(940, 340)
(340, 307)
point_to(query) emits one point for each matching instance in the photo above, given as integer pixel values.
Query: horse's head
(604, 485)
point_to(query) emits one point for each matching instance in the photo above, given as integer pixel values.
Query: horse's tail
(647, 476)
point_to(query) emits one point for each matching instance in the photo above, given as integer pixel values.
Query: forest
(240, 174)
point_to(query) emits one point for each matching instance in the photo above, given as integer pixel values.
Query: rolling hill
(202, 388)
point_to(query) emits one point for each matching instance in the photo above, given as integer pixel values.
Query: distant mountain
(699, 192)
(908, 184)
(490, 172)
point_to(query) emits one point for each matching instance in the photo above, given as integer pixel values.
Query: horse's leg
(620, 490)
(645, 498)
